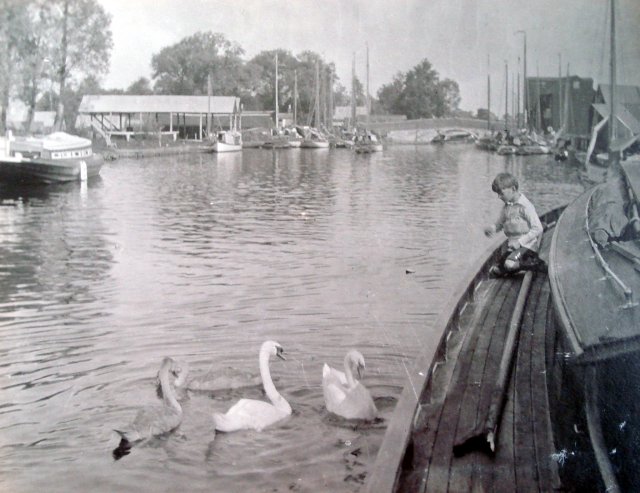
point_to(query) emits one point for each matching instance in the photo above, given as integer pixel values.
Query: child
(520, 223)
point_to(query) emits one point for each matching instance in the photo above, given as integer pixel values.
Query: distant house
(17, 115)
(187, 117)
(342, 115)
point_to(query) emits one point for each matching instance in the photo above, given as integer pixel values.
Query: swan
(251, 414)
(154, 420)
(344, 395)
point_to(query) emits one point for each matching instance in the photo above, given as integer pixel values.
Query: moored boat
(227, 141)
(476, 413)
(314, 140)
(367, 143)
(54, 158)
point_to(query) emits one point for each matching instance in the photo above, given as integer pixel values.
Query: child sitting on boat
(522, 227)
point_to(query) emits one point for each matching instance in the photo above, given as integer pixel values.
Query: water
(203, 257)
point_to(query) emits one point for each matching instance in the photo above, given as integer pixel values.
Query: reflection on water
(202, 257)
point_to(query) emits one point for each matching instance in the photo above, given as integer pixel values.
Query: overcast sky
(456, 36)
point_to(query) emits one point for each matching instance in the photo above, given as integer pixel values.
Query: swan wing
(334, 387)
(249, 414)
(331, 375)
(357, 404)
(152, 421)
(228, 379)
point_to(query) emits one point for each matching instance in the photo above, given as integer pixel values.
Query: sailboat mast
(277, 116)
(317, 106)
(612, 77)
(331, 98)
(368, 97)
(353, 91)
(295, 97)
(518, 92)
(489, 92)
(209, 105)
(560, 107)
(506, 95)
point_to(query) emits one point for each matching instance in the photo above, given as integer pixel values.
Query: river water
(203, 257)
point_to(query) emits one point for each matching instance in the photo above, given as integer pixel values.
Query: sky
(465, 40)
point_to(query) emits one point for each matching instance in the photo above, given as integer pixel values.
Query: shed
(190, 117)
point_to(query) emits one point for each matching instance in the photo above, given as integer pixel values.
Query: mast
(368, 97)
(317, 106)
(209, 105)
(518, 91)
(295, 97)
(506, 94)
(489, 92)
(526, 89)
(560, 106)
(612, 89)
(331, 98)
(277, 116)
(353, 91)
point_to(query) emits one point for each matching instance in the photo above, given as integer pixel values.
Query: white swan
(344, 395)
(251, 414)
(154, 420)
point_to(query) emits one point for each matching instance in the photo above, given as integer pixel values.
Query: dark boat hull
(26, 171)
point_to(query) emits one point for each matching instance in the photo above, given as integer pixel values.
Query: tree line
(53, 52)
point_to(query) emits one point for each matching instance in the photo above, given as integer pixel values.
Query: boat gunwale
(387, 466)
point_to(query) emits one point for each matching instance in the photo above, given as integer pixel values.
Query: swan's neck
(274, 396)
(351, 382)
(168, 394)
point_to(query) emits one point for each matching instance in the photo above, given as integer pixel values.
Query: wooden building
(559, 102)
(185, 117)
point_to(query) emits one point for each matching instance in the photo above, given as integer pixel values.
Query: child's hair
(504, 180)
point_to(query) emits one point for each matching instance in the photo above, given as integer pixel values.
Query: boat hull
(368, 148)
(24, 171)
(314, 144)
(224, 147)
(434, 403)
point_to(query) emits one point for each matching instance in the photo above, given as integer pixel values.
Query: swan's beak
(360, 371)
(279, 353)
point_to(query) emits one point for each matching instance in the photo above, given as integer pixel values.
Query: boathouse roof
(624, 94)
(103, 103)
(623, 114)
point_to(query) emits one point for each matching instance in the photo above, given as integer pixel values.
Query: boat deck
(458, 398)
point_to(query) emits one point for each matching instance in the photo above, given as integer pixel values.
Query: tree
(141, 87)
(14, 29)
(183, 68)
(81, 42)
(420, 93)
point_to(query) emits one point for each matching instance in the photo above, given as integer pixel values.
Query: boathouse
(184, 117)
(561, 102)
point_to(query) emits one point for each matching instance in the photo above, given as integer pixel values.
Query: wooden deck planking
(430, 415)
(435, 452)
(522, 379)
(548, 475)
(439, 467)
(443, 471)
(523, 457)
(483, 375)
